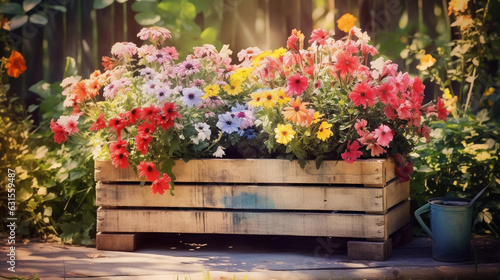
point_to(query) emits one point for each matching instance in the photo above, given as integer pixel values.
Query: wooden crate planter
(361, 201)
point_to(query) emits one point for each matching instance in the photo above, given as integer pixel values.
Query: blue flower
(239, 107)
(192, 96)
(228, 123)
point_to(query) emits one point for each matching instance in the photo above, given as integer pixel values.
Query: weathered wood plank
(272, 197)
(396, 192)
(397, 218)
(248, 222)
(376, 172)
(116, 242)
(369, 250)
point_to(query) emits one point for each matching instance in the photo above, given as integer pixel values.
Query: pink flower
(404, 110)
(425, 131)
(124, 49)
(386, 93)
(153, 33)
(297, 84)
(319, 36)
(363, 94)
(384, 135)
(352, 153)
(346, 64)
(248, 53)
(60, 134)
(160, 185)
(69, 124)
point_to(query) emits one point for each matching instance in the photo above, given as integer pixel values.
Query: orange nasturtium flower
(16, 64)
(346, 22)
(425, 62)
(457, 6)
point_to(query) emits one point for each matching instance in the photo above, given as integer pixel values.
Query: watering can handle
(419, 212)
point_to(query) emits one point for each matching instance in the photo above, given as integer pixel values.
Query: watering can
(451, 224)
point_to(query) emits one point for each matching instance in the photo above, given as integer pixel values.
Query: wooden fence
(87, 34)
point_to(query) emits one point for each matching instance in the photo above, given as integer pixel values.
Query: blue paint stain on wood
(247, 200)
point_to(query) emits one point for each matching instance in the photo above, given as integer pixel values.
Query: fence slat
(87, 42)
(105, 34)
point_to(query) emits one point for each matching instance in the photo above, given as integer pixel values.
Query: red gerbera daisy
(142, 141)
(117, 124)
(170, 111)
(164, 122)
(134, 114)
(160, 185)
(119, 145)
(297, 84)
(363, 94)
(99, 123)
(150, 112)
(120, 158)
(146, 128)
(346, 64)
(148, 170)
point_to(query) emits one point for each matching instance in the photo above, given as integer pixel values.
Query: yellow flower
(346, 22)
(211, 90)
(489, 91)
(450, 102)
(269, 98)
(425, 62)
(256, 99)
(284, 133)
(258, 58)
(241, 74)
(278, 52)
(324, 131)
(457, 6)
(317, 117)
(234, 88)
(282, 98)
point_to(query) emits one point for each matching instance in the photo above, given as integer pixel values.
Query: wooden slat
(396, 192)
(397, 218)
(241, 222)
(329, 198)
(376, 172)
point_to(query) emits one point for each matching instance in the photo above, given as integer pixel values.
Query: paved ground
(236, 257)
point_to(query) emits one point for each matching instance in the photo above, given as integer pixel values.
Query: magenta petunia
(352, 153)
(297, 84)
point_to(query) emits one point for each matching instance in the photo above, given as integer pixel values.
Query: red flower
(150, 112)
(148, 170)
(295, 41)
(425, 131)
(386, 93)
(161, 120)
(142, 141)
(297, 84)
(404, 172)
(134, 115)
(442, 112)
(119, 145)
(319, 36)
(346, 64)
(60, 134)
(170, 111)
(109, 63)
(99, 123)
(117, 124)
(146, 128)
(16, 64)
(119, 158)
(363, 94)
(352, 153)
(160, 185)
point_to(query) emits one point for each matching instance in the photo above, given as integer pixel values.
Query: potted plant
(318, 105)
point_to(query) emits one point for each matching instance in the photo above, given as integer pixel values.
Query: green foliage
(192, 22)
(55, 194)
(460, 160)
(30, 11)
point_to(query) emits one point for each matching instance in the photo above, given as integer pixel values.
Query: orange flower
(297, 113)
(346, 22)
(16, 64)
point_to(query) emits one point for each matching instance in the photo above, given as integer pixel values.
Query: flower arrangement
(330, 101)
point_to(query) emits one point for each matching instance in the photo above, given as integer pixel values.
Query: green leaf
(71, 68)
(188, 10)
(101, 4)
(59, 8)
(11, 8)
(147, 18)
(28, 5)
(18, 21)
(32, 108)
(209, 35)
(201, 5)
(171, 7)
(41, 88)
(39, 18)
(41, 152)
(143, 6)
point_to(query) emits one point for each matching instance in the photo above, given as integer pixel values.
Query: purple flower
(228, 123)
(192, 96)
